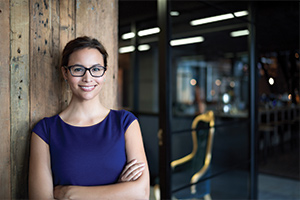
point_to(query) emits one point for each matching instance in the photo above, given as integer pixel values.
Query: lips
(88, 88)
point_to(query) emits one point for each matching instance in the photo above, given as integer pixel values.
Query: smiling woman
(87, 151)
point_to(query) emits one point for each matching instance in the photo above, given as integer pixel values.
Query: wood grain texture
(99, 19)
(67, 33)
(19, 84)
(5, 173)
(45, 80)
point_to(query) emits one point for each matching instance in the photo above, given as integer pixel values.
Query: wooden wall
(32, 36)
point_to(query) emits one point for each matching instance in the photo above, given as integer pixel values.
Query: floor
(274, 187)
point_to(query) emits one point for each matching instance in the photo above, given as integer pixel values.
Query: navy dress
(86, 156)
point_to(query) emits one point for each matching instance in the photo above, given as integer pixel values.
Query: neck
(85, 109)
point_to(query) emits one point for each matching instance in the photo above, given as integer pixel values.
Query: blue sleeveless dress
(86, 156)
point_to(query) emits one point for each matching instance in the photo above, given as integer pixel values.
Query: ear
(64, 72)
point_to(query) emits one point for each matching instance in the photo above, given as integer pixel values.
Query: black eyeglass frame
(86, 69)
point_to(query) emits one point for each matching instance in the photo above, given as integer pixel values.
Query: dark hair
(81, 43)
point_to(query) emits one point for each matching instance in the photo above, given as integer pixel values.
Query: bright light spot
(290, 97)
(149, 31)
(232, 84)
(127, 36)
(241, 13)
(218, 18)
(226, 98)
(174, 13)
(143, 47)
(211, 19)
(218, 82)
(239, 33)
(184, 41)
(126, 49)
(226, 108)
(193, 82)
(271, 81)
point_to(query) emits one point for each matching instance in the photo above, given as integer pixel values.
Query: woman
(87, 151)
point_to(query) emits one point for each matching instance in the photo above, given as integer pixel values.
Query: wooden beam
(19, 96)
(44, 71)
(67, 33)
(5, 173)
(102, 16)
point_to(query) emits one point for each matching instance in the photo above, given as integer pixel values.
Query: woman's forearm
(125, 190)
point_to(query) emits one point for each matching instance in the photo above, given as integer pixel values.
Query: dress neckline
(87, 126)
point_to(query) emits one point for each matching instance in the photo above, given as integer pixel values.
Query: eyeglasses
(79, 70)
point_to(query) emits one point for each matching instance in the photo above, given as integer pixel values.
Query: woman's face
(86, 87)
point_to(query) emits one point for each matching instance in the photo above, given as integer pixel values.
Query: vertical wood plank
(102, 18)
(67, 33)
(45, 96)
(20, 134)
(5, 173)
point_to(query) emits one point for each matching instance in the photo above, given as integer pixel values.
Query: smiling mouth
(87, 88)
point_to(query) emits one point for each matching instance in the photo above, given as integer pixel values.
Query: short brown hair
(81, 43)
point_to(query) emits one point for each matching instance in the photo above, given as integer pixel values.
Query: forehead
(86, 56)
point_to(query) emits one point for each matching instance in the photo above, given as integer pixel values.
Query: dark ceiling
(277, 22)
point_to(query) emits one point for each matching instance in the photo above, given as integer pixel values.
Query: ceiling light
(241, 13)
(211, 19)
(126, 49)
(174, 13)
(184, 41)
(148, 31)
(218, 18)
(127, 36)
(239, 33)
(143, 47)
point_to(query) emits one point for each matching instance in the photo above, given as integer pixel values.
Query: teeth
(88, 87)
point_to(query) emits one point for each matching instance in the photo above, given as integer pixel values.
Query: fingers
(132, 171)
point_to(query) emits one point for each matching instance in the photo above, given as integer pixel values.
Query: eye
(97, 69)
(77, 69)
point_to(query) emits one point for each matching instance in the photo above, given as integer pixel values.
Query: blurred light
(148, 31)
(232, 84)
(218, 82)
(212, 92)
(297, 55)
(143, 47)
(226, 108)
(226, 98)
(126, 49)
(184, 41)
(218, 18)
(290, 97)
(271, 81)
(239, 33)
(211, 19)
(127, 36)
(174, 13)
(193, 82)
(241, 13)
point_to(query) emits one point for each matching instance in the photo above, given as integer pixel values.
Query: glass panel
(211, 74)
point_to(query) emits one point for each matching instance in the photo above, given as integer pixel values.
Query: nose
(87, 77)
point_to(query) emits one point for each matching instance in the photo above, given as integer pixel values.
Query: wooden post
(19, 96)
(5, 174)
(32, 36)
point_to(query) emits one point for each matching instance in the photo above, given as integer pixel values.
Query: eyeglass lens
(78, 70)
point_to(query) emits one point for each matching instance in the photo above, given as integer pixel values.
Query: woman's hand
(132, 171)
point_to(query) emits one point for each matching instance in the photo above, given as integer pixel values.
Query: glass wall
(210, 72)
